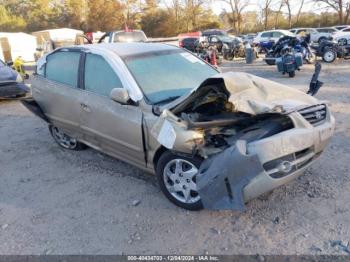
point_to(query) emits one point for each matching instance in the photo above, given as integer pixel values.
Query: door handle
(85, 107)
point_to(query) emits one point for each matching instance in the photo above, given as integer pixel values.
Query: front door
(107, 125)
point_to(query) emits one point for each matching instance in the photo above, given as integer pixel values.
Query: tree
(105, 15)
(237, 8)
(289, 8)
(75, 12)
(10, 23)
(342, 7)
(266, 11)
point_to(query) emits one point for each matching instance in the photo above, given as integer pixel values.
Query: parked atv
(330, 50)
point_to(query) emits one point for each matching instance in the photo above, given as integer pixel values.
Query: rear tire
(176, 176)
(64, 140)
(321, 39)
(291, 74)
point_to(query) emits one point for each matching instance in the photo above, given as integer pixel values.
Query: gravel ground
(54, 201)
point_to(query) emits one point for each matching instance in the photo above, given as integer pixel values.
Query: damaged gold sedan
(214, 140)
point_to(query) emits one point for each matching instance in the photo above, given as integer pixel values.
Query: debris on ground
(339, 244)
(136, 202)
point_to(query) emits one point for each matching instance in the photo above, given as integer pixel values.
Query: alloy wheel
(180, 180)
(329, 56)
(63, 139)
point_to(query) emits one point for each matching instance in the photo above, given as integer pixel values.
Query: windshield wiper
(166, 100)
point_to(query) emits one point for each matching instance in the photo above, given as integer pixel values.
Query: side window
(267, 34)
(277, 34)
(99, 76)
(346, 30)
(63, 67)
(214, 39)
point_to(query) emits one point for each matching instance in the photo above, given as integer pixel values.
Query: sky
(309, 5)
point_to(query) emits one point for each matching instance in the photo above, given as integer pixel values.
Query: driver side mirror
(120, 95)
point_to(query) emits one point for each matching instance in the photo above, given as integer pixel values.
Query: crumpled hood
(7, 74)
(250, 94)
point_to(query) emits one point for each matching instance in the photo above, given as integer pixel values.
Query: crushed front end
(253, 136)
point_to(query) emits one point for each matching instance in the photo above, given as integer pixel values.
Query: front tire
(311, 59)
(64, 140)
(176, 176)
(329, 56)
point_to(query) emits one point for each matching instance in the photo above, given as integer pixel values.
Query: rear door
(266, 36)
(57, 91)
(106, 124)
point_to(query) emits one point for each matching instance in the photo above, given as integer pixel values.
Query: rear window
(189, 40)
(133, 36)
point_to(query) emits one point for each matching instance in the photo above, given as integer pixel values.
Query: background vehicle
(340, 27)
(272, 35)
(219, 40)
(296, 44)
(124, 36)
(342, 36)
(265, 46)
(208, 52)
(317, 35)
(329, 50)
(289, 61)
(233, 49)
(249, 38)
(189, 43)
(211, 32)
(11, 83)
(322, 34)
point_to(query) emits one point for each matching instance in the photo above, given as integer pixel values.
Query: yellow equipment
(18, 65)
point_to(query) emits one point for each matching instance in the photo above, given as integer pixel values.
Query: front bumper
(13, 90)
(245, 171)
(299, 146)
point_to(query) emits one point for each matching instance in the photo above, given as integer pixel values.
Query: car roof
(133, 48)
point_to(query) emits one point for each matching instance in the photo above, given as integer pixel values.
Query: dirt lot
(54, 201)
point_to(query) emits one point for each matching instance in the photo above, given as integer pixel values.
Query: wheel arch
(161, 150)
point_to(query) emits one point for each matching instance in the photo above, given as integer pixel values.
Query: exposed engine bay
(214, 117)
